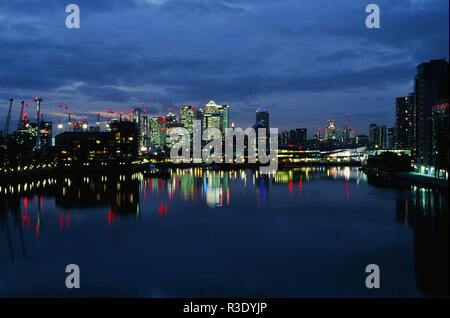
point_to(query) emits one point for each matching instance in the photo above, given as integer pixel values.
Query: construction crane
(38, 111)
(8, 118)
(20, 123)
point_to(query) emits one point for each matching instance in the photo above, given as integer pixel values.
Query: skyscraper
(216, 116)
(404, 122)
(157, 132)
(142, 125)
(430, 88)
(187, 116)
(262, 120)
(330, 131)
(374, 136)
(301, 134)
(170, 117)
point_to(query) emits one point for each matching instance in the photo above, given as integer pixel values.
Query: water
(306, 232)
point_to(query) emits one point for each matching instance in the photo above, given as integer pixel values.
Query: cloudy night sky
(305, 61)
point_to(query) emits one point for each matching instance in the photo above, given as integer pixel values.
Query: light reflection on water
(330, 216)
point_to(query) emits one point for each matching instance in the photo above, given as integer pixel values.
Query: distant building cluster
(421, 130)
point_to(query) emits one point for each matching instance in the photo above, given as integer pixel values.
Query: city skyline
(87, 70)
(194, 153)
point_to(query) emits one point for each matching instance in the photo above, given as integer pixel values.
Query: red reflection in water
(61, 221)
(165, 208)
(300, 187)
(37, 229)
(42, 202)
(25, 219)
(347, 189)
(160, 209)
(67, 220)
(25, 204)
(109, 217)
(290, 188)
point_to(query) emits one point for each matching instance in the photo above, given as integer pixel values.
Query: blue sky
(305, 61)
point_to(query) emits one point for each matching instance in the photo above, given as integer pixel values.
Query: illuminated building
(439, 139)
(381, 137)
(141, 122)
(430, 87)
(119, 145)
(404, 122)
(285, 137)
(157, 135)
(144, 131)
(330, 131)
(80, 146)
(125, 139)
(297, 154)
(187, 116)
(215, 116)
(170, 127)
(170, 117)
(210, 121)
(23, 139)
(46, 133)
(262, 120)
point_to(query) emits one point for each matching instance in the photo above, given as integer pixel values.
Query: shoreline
(383, 175)
(406, 178)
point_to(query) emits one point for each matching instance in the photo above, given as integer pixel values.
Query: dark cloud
(246, 53)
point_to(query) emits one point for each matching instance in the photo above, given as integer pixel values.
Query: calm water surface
(307, 232)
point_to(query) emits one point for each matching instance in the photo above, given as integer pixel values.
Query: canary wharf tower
(216, 116)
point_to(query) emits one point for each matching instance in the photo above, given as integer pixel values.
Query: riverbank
(406, 178)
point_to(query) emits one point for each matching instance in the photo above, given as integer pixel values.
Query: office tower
(374, 136)
(404, 122)
(318, 136)
(262, 120)
(351, 134)
(157, 135)
(46, 133)
(292, 136)
(171, 127)
(170, 117)
(187, 117)
(284, 137)
(144, 130)
(439, 126)
(142, 125)
(212, 121)
(390, 138)
(224, 112)
(125, 135)
(23, 139)
(301, 135)
(330, 131)
(430, 87)
(345, 137)
(381, 137)
(215, 116)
